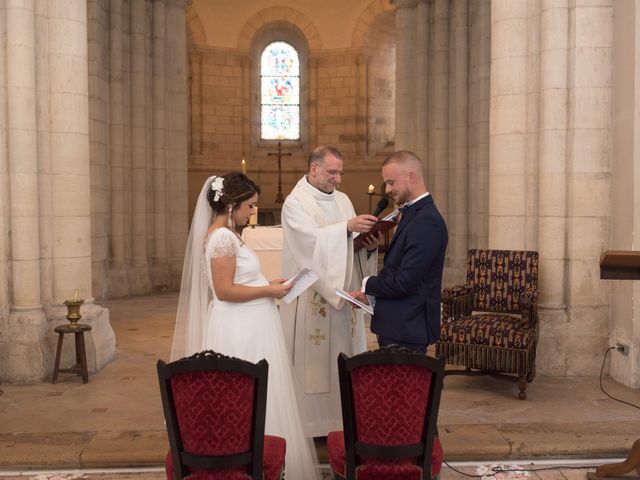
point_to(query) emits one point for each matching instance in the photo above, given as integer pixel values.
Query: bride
(228, 306)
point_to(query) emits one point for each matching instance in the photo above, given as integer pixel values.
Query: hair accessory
(217, 187)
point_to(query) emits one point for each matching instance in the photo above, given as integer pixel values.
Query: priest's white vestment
(318, 325)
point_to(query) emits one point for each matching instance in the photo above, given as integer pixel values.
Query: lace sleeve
(222, 243)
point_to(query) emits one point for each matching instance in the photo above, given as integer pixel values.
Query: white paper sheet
(301, 282)
(355, 301)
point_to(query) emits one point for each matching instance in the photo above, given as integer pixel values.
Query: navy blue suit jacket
(408, 287)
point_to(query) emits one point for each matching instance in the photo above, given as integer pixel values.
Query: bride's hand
(278, 290)
(277, 281)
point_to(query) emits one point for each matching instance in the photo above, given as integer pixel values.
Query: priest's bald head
(402, 174)
(325, 168)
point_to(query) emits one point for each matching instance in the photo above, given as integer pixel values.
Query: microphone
(382, 204)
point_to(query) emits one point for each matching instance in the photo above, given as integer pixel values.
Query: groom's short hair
(319, 153)
(406, 158)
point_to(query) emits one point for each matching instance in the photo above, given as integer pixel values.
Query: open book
(303, 280)
(383, 225)
(355, 301)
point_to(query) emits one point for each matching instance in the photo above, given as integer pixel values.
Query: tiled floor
(116, 419)
(455, 472)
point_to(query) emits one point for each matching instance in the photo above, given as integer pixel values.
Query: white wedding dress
(252, 331)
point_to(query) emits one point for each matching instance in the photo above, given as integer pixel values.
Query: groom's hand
(371, 241)
(358, 295)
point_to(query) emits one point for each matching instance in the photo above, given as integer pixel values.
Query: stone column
(118, 221)
(313, 100)
(588, 182)
(139, 273)
(552, 182)
(160, 273)
(22, 345)
(405, 76)
(624, 311)
(458, 136)
(508, 124)
(439, 107)
(177, 141)
(98, 25)
(479, 74)
(70, 179)
(4, 176)
(195, 90)
(553, 151)
(532, 137)
(421, 83)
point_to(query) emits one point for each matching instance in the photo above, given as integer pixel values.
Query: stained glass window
(280, 92)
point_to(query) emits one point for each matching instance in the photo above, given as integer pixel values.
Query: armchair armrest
(456, 302)
(529, 306)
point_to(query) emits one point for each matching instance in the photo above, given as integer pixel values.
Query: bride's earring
(230, 222)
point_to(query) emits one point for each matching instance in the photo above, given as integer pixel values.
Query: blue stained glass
(280, 122)
(280, 58)
(280, 92)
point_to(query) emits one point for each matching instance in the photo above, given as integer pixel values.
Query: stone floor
(116, 419)
(457, 472)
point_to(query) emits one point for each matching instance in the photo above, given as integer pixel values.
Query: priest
(319, 224)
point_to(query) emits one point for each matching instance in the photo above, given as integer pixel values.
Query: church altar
(267, 243)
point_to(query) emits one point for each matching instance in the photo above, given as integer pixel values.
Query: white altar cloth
(267, 243)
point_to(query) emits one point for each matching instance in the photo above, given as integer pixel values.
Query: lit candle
(253, 219)
(244, 166)
(371, 189)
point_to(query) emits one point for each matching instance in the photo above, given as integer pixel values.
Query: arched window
(280, 92)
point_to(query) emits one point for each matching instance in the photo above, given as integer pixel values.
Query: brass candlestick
(73, 307)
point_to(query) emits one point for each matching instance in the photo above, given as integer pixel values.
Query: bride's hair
(237, 188)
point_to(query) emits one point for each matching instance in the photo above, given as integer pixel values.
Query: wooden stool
(80, 368)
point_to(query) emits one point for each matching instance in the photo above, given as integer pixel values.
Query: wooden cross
(279, 197)
(316, 338)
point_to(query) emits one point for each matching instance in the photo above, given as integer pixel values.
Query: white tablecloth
(267, 243)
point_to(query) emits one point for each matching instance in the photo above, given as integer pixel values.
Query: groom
(407, 289)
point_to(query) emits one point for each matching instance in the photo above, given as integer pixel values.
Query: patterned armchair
(490, 324)
(214, 407)
(390, 402)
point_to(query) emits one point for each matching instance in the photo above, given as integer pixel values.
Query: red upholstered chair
(214, 407)
(490, 324)
(390, 402)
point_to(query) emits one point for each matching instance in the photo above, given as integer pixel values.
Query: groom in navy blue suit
(407, 289)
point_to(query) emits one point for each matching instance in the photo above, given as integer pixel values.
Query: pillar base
(100, 342)
(28, 343)
(25, 356)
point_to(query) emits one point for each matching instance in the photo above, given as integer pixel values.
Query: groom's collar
(414, 201)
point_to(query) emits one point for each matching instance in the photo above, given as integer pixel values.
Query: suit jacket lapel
(406, 218)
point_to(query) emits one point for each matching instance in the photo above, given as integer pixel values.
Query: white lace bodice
(224, 243)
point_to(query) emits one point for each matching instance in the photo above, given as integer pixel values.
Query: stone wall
(347, 99)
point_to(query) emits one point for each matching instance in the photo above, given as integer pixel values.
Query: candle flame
(371, 189)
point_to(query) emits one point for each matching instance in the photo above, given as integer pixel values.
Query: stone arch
(283, 14)
(365, 21)
(195, 31)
